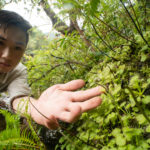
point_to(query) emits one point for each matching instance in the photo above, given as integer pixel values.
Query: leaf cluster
(13, 137)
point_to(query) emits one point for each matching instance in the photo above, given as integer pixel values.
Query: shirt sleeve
(18, 87)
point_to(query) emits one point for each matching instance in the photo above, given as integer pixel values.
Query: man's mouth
(4, 64)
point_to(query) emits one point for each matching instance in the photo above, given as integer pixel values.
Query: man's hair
(10, 18)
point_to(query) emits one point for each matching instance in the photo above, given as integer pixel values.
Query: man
(58, 102)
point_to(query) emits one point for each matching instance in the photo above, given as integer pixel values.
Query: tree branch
(81, 32)
(57, 23)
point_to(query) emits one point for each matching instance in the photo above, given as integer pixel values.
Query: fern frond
(18, 143)
(13, 138)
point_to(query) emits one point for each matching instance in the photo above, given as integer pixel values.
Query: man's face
(12, 47)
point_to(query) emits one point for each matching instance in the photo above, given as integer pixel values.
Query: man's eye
(19, 48)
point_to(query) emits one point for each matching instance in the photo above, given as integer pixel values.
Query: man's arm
(61, 102)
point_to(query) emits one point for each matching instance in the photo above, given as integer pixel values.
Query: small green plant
(15, 138)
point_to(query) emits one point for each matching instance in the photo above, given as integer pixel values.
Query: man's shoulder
(20, 69)
(18, 72)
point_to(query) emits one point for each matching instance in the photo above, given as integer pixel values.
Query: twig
(138, 105)
(113, 29)
(135, 16)
(57, 65)
(134, 23)
(70, 61)
(104, 52)
(82, 34)
(109, 46)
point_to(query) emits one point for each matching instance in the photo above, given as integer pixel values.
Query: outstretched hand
(62, 102)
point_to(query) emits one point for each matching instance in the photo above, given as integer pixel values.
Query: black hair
(10, 18)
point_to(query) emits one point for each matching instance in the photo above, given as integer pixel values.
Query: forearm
(23, 106)
(29, 106)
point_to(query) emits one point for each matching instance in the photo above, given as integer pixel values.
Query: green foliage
(94, 5)
(2, 4)
(13, 138)
(37, 41)
(62, 61)
(123, 119)
(120, 63)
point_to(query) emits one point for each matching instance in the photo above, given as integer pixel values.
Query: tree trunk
(58, 24)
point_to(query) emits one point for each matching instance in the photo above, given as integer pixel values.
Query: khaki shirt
(14, 83)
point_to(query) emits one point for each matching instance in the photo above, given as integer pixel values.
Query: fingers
(74, 110)
(72, 85)
(90, 104)
(71, 114)
(52, 123)
(84, 95)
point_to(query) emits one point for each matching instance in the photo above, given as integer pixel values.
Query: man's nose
(6, 53)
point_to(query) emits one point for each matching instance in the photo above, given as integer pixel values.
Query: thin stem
(70, 61)
(138, 105)
(113, 29)
(116, 107)
(58, 65)
(109, 46)
(145, 12)
(105, 54)
(134, 23)
(135, 16)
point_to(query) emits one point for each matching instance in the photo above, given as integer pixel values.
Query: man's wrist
(35, 113)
